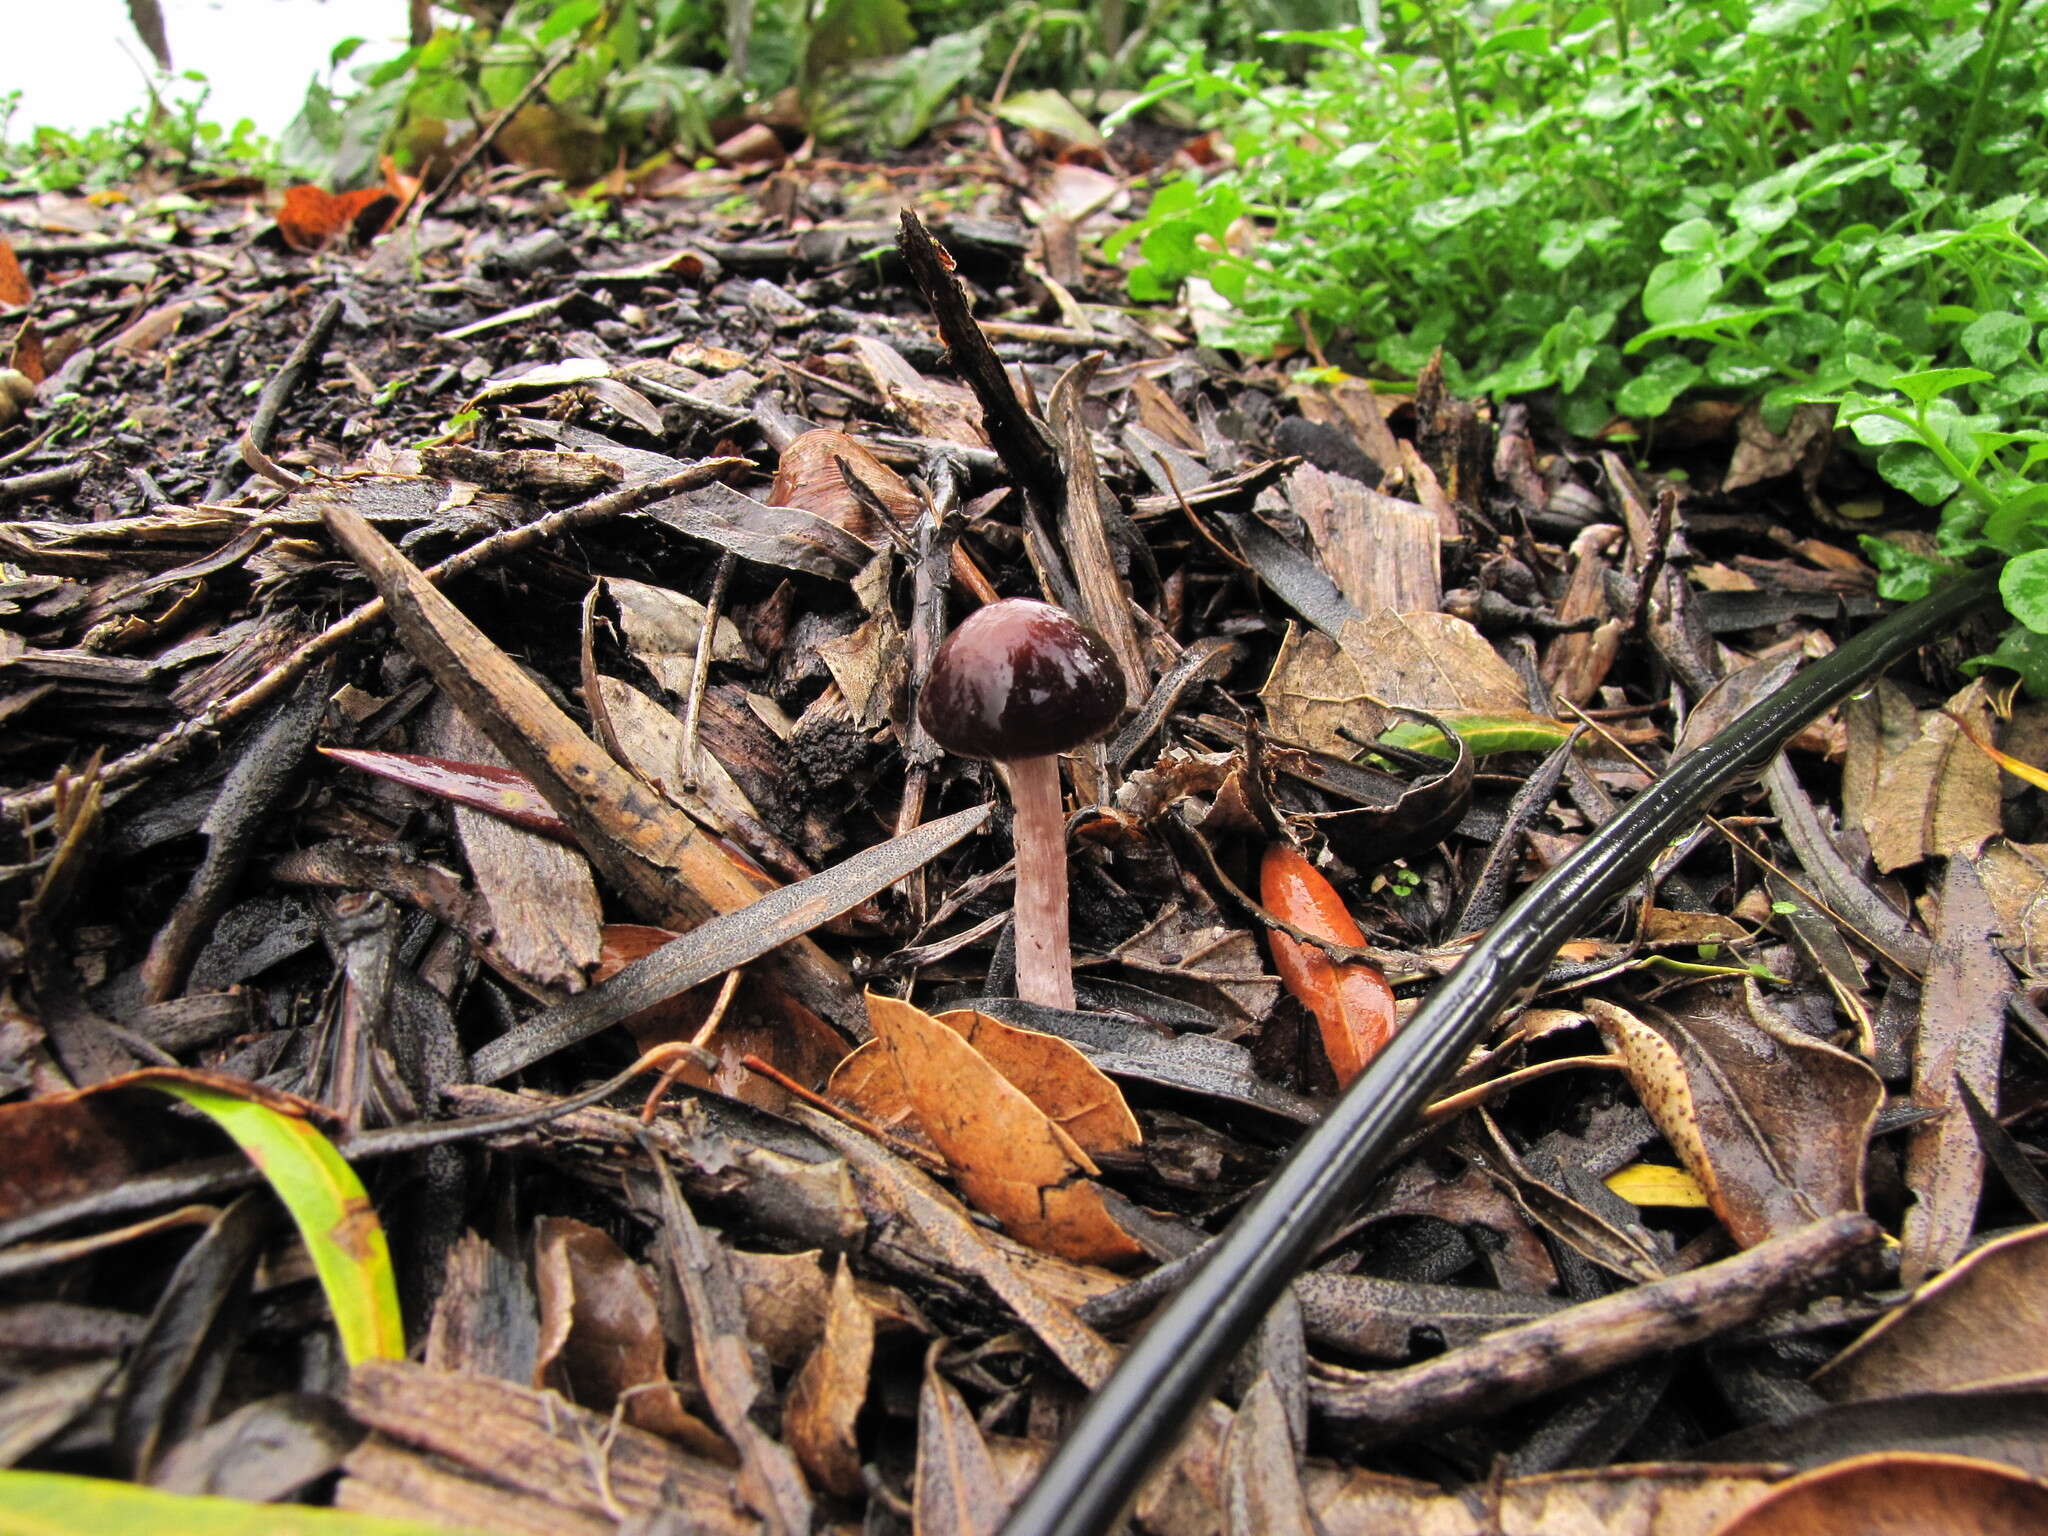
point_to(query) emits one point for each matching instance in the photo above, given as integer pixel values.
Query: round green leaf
(1917, 472)
(1996, 339)
(2024, 586)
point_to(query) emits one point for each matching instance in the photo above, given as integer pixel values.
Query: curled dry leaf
(1351, 1001)
(812, 475)
(1010, 1158)
(1978, 1325)
(1909, 1495)
(601, 1339)
(825, 1398)
(1771, 1122)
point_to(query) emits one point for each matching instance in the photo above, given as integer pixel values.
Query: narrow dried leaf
(1961, 1039)
(1979, 1324)
(1262, 1492)
(1351, 1001)
(826, 1396)
(1011, 1160)
(481, 786)
(722, 944)
(958, 1491)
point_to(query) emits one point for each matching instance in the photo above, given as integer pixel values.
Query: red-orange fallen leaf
(14, 288)
(312, 217)
(1351, 1001)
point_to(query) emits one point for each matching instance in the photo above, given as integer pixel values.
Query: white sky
(78, 63)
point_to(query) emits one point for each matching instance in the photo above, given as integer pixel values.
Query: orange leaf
(1008, 1157)
(1352, 1002)
(312, 217)
(14, 288)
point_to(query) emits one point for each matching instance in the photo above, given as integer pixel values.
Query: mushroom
(1020, 682)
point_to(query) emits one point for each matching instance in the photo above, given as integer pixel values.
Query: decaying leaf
(601, 1340)
(1938, 794)
(825, 1398)
(1960, 1041)
(1771, 1122)
(1979, 1324)
(1903, 1493)
(958, 1492)
(1009, 1157)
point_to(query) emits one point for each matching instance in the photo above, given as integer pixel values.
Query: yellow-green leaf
(327, 1202)
(1657, 1184)
(58, 1504)
(1483, 732)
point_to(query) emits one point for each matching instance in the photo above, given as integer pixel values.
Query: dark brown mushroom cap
(1020, 679)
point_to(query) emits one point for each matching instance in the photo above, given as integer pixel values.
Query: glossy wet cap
(1020, 679)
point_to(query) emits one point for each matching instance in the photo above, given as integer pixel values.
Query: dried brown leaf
(1895, 1494)
(1939, 795)
(1053, 1073)
(1262, 1492)
(811, 475)
(1980, 1324)
(825, 1398)
(1009, 1157)
(601, 1340)
(1961, 1037)
(958, 1492)
(1771, 1122)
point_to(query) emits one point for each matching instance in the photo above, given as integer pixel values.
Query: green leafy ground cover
(1623, 204)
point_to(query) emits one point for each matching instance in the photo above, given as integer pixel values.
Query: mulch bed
(710, 484)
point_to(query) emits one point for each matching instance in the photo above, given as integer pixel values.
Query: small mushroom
(1020, 682)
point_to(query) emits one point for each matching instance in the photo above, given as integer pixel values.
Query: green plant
(1793, 200)
(170, 137)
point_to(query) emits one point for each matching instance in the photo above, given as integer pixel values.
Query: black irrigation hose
(1140, 1412)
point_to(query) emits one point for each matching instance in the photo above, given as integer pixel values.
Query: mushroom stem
(1045, 971)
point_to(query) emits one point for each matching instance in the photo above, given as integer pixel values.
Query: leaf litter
(539, 655)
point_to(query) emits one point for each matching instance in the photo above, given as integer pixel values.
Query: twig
(175, 743)
(693, 1052)
(700, 670)
(41, 482)
(282, 386)
(845, 1116)
(1526, 1361)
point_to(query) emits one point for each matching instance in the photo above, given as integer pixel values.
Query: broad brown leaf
(1895, 1494)
(1773, 1123)
(1009, 1158)
(601, 1339)
(1979, 1324)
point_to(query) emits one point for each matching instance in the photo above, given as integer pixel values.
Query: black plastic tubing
(1172, 1368)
